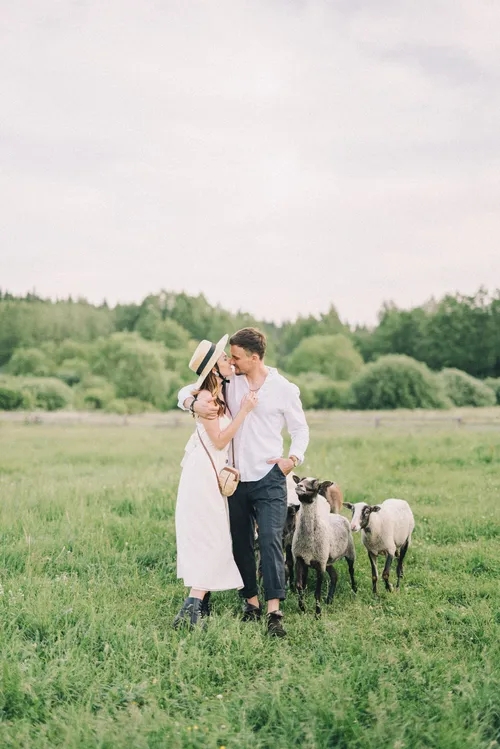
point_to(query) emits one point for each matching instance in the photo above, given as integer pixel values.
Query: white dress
(204, 549)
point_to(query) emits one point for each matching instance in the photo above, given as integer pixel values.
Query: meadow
(88, 591)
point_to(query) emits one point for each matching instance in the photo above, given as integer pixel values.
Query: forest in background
(133, 357)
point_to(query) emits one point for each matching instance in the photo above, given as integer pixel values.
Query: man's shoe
(190, 613)
(251, 613)
(275, 624)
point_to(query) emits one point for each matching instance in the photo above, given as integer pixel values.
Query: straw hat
(204, 358)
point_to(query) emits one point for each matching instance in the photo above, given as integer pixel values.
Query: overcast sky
(278, 156)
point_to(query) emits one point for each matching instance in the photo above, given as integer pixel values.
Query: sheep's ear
(349, 505)
(296, 478)
(315, 485)
(375, 508)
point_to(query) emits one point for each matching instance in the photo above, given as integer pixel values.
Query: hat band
(206, 359)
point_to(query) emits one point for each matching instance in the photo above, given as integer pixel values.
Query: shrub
(11, 398)
(73, 371)
(464, 390)
(69, 349)
(494, 384)
(136, 406)
(331, 355)
(331, 395)
(97, 398)
(30, 361)
(319, 392)
(49, 393)
(397, 381)
(117, 406)
(13, 395)
(93, 392)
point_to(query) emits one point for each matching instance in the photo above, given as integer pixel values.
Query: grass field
(88, 591)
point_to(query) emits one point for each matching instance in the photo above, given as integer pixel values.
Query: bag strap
(211, 459)
(232, 440)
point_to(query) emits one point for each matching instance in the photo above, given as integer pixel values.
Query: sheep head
(307, 489)
(361, 515)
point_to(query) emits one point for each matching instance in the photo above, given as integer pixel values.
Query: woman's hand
(248, 402)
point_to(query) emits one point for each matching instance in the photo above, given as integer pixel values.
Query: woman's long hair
(211, 383)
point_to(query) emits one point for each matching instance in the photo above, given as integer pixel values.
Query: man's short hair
(250, 339)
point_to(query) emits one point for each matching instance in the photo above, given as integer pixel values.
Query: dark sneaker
(190, 613)
(251, 613)
(275, 624)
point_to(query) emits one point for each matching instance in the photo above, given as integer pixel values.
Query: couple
(237, 400)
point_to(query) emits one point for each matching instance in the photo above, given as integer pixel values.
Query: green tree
(134, 366)
(292, 333)
(173, 335)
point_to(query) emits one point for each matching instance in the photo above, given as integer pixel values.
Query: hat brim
(219, 348)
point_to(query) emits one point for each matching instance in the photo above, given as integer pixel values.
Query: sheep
(385, 529)
(327, 489)
(333, 495)
(320, 539)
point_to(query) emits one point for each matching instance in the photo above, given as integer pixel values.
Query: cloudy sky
(276, 155)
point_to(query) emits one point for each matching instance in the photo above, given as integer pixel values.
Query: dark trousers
(264, 502)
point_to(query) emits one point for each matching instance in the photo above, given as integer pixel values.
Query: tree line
(134, 356)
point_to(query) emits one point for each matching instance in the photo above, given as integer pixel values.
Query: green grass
(88, 592)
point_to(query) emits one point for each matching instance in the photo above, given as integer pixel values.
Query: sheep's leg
(300, 574)
(333, 582)
(373, 562)
(399, 568)
(387, 571)
(306, 574)
(289, 566)
(350, 564)
(319, 583)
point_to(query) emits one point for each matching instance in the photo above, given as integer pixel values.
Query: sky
(278, 156)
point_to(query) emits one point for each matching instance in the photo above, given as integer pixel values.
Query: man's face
(242, 361)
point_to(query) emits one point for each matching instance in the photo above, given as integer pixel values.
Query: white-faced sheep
(385, 529)
(319, 540)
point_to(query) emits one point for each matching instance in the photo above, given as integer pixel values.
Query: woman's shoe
(206, 609)
(189, 614)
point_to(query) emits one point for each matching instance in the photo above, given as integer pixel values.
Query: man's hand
(207, 409)
(285, 464)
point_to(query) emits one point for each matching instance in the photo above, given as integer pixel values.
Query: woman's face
(225, 368)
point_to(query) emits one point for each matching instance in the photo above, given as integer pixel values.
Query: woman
(204, 548)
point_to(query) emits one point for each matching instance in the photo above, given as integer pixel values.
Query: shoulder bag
(228, 478)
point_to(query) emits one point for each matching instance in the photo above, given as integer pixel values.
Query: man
(258, 450)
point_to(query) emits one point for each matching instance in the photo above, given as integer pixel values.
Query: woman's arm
(222, 437)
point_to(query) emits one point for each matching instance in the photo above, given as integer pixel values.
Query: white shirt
(259, 438)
